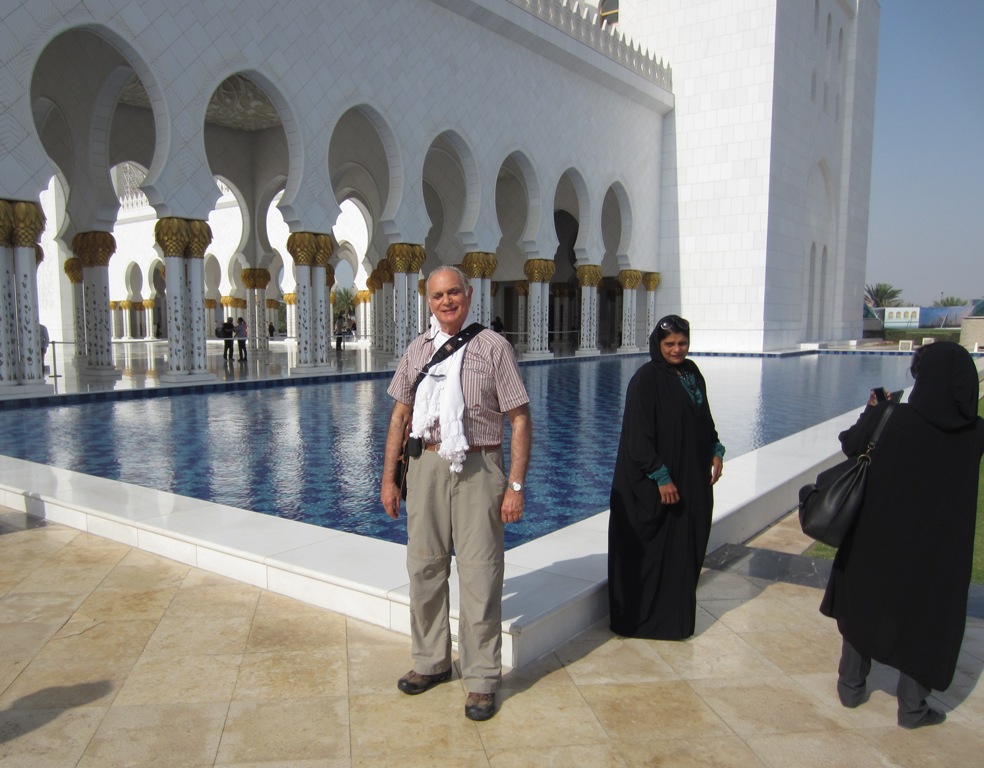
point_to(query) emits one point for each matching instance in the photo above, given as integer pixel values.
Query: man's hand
(521, 424)
(390, 493)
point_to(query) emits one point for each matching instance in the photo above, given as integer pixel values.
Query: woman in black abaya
(899, 583)
(669, 456)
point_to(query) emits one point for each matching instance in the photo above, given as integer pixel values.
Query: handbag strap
(452, 345)
(889, 409)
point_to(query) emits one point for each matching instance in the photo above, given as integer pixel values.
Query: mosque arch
(362, 139)
(572, 198)
(517, 204)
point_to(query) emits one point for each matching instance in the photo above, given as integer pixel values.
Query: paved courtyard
(110, 656)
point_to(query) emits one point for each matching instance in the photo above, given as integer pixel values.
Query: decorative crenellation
(651, 280)
(73, 268)
(583, 24)
(539, 270)
(302, 246)
(629, 279)
(28, 224)
(589, 275)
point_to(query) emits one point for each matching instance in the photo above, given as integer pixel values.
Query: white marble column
(522, 305)
(149, 319)
(651, 281)
(539, 272)
(629, 279)
(589, 278)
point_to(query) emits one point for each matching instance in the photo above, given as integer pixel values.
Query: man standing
(241, 334)
(228, 332)
(460, 493)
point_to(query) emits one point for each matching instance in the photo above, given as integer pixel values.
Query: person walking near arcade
(460, 493)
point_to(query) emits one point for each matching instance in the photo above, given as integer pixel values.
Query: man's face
(448, 299)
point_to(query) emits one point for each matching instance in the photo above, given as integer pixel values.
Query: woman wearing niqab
(668, 459)
(899, 584)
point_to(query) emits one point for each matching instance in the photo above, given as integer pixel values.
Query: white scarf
(439, 400)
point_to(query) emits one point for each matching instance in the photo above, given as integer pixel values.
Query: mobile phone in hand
(880, 394)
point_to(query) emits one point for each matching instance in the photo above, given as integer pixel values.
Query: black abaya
(655, 551)
(899, 583)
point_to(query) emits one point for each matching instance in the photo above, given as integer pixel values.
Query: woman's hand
(668, 494)
(717, 469)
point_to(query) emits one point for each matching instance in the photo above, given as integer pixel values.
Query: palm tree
(344, 301)
(883, 295)
(950, 301)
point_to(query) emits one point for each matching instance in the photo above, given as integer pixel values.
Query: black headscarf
(678, 325)
(947, 387)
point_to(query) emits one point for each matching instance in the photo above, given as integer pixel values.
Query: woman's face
(674, 347)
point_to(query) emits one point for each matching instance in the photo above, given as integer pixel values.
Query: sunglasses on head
(674, 324)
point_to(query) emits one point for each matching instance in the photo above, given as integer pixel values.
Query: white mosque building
(166, 164)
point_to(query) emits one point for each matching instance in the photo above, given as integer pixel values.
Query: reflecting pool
(314, 452)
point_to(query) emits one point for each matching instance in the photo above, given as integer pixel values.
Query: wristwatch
(518, 487)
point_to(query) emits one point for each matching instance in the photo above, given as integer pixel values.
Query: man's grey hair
(448, 268)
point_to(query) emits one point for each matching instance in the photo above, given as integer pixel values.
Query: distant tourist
(45, 341)
(228, 333)
(241, 332)
(900, 580)
(497, 325)
(668, 458)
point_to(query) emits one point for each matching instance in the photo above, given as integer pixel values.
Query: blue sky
(926, 225)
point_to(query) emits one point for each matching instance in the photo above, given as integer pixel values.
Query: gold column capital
(630, 279)
(113, 305)
(651, 280)
(302, 247)
(6, 223)
(151, 303)
(93, 248)
(172, 235)
(73, 268)
(329, 275)
(272, 304)
(248, 276)
(384, 271)
(522, 287)
(209, 303)
(489, 265)
(28, 223)
(199, 237)
(38, 253)
(290, 298)
(373, 283)
(539, 270)
(323, 249)
(589, 275)
(473, 264)
(262, 277)
(400, 256)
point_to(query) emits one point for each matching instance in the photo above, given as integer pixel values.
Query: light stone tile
(819, 750)
(795, 652)
(30, 738)
(545, 671)
(433, 722)
(38, 606)
(375, 668)
(89, 638)
(196, 636)
(56, 682)
(293, 730)
(766, 705)
(663, 710)
(940, 746)
(22, 641)
(230, 601)
(65, 579)
(880, 710)
(596, 756)
(712, 752)
(551, 716)
(280, 627)
(717, 655)
(157, 735)
(617, 660)
(189, 680)
(762, 613)
(406, 759)
(109, 604)
(297, 674)
(142, 570)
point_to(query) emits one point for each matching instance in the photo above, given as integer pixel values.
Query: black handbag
(829, 507)
(412, 446)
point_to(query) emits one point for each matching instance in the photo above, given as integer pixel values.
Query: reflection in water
(314, 452)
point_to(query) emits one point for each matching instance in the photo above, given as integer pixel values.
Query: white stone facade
(516, 137)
